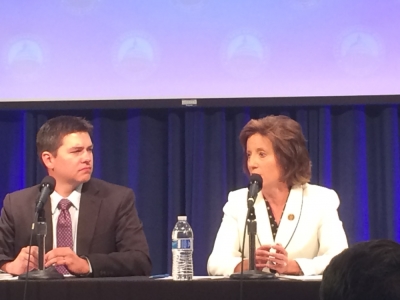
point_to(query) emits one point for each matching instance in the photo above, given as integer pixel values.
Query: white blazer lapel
(290, 216)
(264, 234)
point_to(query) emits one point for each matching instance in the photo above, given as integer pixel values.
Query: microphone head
(49, 182)
(256, 178)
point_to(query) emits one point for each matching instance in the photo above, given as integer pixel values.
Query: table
(138, 288)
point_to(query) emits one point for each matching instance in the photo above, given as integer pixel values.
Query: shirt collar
(74, 197)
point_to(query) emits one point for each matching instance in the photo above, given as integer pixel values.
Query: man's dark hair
(366, 271)
(51, 134)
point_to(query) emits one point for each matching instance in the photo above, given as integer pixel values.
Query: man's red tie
(64, 230)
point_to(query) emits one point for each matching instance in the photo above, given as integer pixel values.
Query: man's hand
(65, 256)
(19, 265)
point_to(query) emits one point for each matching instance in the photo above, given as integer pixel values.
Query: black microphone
(46, 188)
(255, 186)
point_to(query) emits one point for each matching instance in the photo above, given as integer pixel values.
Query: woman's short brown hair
(288, 143)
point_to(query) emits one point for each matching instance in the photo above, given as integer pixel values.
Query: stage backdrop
(185, 161)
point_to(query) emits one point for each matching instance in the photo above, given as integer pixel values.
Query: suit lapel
(263, 226)
(88, 212)
(290, 216)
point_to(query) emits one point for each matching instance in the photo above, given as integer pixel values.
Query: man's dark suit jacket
(109, 233)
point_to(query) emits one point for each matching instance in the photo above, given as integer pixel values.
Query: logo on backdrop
(136, 57)
(25, 60)
(245, 56)
(359, 53)
(79, 7)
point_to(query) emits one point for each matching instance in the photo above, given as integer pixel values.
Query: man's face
(73, 163)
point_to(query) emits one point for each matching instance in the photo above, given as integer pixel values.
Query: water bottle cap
(182, 218)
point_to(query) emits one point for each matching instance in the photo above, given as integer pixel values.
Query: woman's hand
(273, 257)
(276, 258)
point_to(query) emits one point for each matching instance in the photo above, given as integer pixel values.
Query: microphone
(46, 188)
(39, 226)
(255, 186)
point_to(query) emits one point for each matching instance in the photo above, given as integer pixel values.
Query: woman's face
(261, 159)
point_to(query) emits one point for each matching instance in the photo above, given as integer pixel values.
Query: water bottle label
(174, 244)
(182, 244)
(186, 244)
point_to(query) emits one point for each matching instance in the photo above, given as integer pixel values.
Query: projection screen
(84, 50)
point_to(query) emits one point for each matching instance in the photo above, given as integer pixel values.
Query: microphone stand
(252, 273)
(42, 272)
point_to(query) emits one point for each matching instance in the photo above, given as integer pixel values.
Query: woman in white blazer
(298, 227)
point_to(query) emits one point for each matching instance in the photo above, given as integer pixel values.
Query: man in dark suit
(105, 233)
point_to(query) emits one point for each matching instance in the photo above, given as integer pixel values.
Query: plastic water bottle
(182, 250)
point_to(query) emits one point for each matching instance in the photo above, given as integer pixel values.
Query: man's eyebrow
(76, 148)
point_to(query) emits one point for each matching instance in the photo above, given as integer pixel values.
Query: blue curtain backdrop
(185, 161)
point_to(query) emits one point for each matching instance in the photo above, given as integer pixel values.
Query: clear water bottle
(182, 250)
